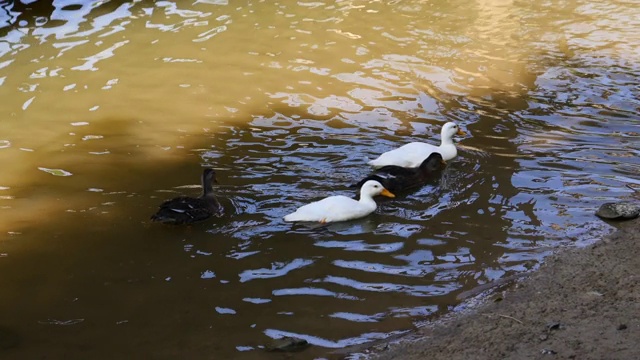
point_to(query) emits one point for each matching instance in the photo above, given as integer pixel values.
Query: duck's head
(450, 129)
(209, 175)
(208, 178)
(433, 163)
(373, 188)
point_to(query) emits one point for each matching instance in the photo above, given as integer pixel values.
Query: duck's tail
(291, 217)
(375, 163)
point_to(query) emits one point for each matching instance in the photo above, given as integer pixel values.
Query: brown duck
(187, 210)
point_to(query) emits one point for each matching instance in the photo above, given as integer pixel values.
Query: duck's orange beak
(461, 133)
(387, 193)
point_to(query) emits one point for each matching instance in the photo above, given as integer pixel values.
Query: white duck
(341, 208)
(414, 153)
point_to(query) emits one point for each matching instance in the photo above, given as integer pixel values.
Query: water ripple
(287, 101)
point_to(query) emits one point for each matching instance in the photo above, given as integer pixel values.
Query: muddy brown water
(110, 107)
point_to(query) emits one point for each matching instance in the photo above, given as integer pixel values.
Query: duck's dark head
(433, 163)
(209, 176)
(208, 179)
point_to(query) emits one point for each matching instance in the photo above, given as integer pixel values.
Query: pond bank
(583, 303)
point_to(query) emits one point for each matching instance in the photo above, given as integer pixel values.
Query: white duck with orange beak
(341, 208)
(413, 154)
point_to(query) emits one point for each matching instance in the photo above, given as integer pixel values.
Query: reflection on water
(110, 107)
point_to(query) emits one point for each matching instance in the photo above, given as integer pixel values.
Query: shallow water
(111, 107)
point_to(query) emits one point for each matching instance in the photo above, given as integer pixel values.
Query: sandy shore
(581, 304)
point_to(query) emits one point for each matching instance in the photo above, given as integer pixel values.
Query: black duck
(397, 178)
(186, 210)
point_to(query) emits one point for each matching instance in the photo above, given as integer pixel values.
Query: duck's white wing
(409, 155)
(333, 208)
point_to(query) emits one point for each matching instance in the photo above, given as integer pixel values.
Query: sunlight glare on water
(111, 107)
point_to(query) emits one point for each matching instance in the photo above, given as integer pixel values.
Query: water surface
(110, 107)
